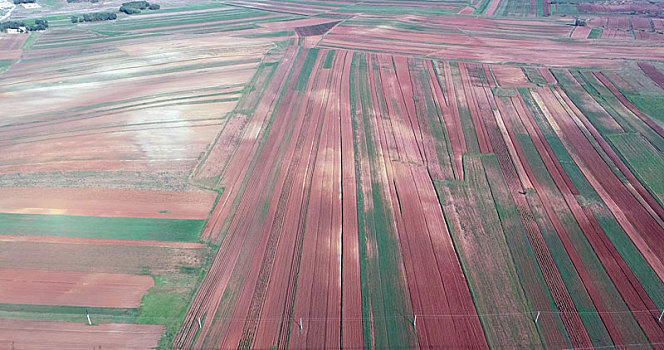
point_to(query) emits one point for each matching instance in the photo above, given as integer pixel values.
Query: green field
(136, 229)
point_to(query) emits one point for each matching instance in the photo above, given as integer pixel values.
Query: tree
(134, 7)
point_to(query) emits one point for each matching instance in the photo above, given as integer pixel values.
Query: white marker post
(200, 325)
(88, 314)
(415, 322)
(660, 316)
(300, 324)
(537, 318)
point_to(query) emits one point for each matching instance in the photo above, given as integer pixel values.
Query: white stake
(300, 324)
(89, 322)
(660, 316)
(415, 322)
(200, 325)
(537, 318)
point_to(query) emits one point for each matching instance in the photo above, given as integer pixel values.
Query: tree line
(94, 17)
(134, 7)
(39, 24)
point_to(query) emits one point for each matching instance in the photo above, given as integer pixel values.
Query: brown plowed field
(73, 288)
(388, 175)
(19, 335)
(99, 256)
(107, 203)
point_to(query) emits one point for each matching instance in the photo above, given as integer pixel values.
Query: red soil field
(473, 43)
(107, 203)
(625, 281)
(316, 285)
(581, 32)
(450, 109)
(350, 176)
(73, 288)
(641, 23)
(352, 289)
(286, 25)
(13, 42)
(11, 46)
(194, 25)
(282, 7)
(652, 73)
(507, 76)
(440, 289)
(658, 23)
(106, 257)
(209, 295)
(19, 335)
(90, 241)
(547, 75)
(513, 175)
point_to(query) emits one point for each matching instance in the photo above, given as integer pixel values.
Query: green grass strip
(137, 229)
(329, 59)
(309, 63)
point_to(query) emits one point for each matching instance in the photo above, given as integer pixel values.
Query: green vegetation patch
(59, 313)
(534, 75)
(482, 8)
(329, 59)
(475, 222)
(383, 291)
(652, 105)
(309, 63)
(595, 33)
(643, 159)
(168, 301)
(31, 39)
(4, 65)
(136, 229)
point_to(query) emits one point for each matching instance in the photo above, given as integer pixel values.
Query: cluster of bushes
(92, 1)
(24, 1)
(94, 17)
(134, 7)
(39, 24)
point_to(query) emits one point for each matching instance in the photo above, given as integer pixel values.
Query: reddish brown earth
(73, 288)
(489, 40)
(581, 32)
(193, 26)
(652, 73)
(107, 203)
(102, 242)
(397, 112)
(11, 46)
(99, 256)
(19, 335)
